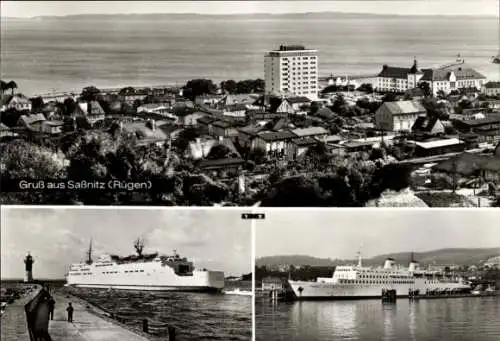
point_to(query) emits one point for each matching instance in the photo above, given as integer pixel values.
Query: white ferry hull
(314, 290)
(144, 276)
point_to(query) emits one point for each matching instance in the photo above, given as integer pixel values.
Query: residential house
(224, 128)
(453, 77)
(428, 125)
(248, 133)
(38, 123)
(298, 147)
(317, 132)
(52, 111)
(491, 170)
(281, 106)
(274, 143)
(438, 147)
(137, 94)
(6, 131)
(147, 133)
(209, 100)
(17, 102)
(201, 147)
(491, 88)
(205, 124)
(190, 119)
(468, 114)
(325, 113)
(249, 100)
(27, 121)
(255, 115)
(300, 104)
(235, 110)
(487, 129)
(91, 111)
(469, 166)
(398, 116)
(222, 168)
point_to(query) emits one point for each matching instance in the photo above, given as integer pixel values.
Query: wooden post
(145, 327)
(171, 333)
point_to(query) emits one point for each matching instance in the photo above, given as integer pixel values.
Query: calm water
(457, 319)
(65, 55)
(196, 316)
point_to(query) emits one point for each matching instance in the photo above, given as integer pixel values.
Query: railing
(37, 316)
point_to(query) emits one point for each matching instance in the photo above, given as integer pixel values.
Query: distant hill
(459, 256)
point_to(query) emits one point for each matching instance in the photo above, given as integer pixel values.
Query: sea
(452, 319)
(195, 316)
(52, 55)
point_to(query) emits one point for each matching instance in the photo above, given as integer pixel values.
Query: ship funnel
(413, 266)
(389, 263)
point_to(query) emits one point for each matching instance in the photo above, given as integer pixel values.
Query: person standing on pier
(70, 309)
(52, 304)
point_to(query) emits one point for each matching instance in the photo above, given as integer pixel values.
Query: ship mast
(89, 253)
(360, 262)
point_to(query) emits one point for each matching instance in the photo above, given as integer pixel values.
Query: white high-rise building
(292, 69)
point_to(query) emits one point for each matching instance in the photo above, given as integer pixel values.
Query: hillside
(459, 256)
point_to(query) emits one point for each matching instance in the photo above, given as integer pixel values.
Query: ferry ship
(358, 282)
(152, 272)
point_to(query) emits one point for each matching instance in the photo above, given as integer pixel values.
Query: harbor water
(195, 316)
(450, 319)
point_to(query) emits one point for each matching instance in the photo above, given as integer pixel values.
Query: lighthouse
(28, 261)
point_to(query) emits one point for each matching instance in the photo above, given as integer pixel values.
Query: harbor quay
(27, 319)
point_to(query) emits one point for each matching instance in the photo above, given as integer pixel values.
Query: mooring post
(171, 333)
(145, 327)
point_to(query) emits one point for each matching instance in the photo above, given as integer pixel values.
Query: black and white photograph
(371, 275)
(88, 274)
(251, 103)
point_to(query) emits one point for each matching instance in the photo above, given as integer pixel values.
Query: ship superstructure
(143, 272)
(357, 281)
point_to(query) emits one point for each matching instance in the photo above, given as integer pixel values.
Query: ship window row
(110, 272)
(383, 276)
(353, 281)
(107, 264)
(82, 273)
(127, 271)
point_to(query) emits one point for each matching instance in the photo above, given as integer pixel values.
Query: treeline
(198, 87)
(303, 273)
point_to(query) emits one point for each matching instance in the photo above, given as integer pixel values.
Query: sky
(213, 239)
(340, 234)
(420, 7)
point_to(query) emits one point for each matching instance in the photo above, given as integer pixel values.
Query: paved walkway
(13, 323)
(86, 326)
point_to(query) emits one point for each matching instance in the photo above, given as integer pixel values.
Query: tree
(126, 91)
(229, 86)
(139, 244)
(12, 86)
(339, 105)
(389, 97)
(36, 104)
(297, 191)
(185, 136)
(3, 86)
(89, 93)
(219, 151)
(198, 87)
(366, 87)
(426, 88)
(69, 106)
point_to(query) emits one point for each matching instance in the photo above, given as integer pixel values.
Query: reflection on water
(454, 319)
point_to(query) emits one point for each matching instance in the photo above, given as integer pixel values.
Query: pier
(86, 325)
(14, 321)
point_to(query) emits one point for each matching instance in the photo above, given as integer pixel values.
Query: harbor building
(291, 69)
(398, 79)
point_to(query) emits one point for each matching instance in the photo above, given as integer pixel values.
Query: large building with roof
(447, 78)
(399, 115)
(398, 79)
(453, 77)
(291, 69)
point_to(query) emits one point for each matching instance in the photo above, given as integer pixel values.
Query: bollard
(171, 333)
(145, 327)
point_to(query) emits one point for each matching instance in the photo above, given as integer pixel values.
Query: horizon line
(497, 15)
